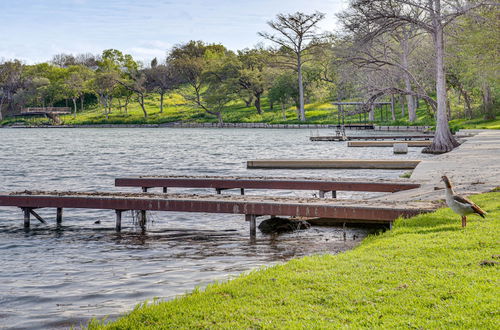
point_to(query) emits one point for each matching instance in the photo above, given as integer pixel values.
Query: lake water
(55, 278)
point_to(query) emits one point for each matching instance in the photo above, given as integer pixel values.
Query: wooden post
(253, 224)
(218, 190)
(59, 214)
(142, 220)
(118, 226)
(334, 194)
(321, 194)
(164, 190)
(343, 232)
(26, 217)
(144, 189)
(242, 191)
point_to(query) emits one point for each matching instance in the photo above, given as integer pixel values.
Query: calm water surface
(55, 278)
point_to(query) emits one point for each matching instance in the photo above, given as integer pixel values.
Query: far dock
(333, 164)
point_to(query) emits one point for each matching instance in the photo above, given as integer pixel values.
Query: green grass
(426, 273)
(478, 123)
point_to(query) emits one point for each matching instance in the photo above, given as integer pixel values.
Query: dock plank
(264, 183)
(254, 205)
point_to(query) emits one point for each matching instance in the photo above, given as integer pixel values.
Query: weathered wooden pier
(333, 164)
(418, 143)
(375, 137)
(323, 186)
(250, 206)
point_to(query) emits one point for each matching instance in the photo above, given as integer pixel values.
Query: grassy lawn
(427, 273)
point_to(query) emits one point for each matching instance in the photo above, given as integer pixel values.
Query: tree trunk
(141, 102)
(412, 115)
(74, 107)
(393, 112)
(219, 118)
(127, 101)
(161, 102)
(371, 114)
(248, 102)
(81, 102)
(443, 139)
(402, 102)
(302, 112)
(271, 105)
(489, 112)
(1, 107)
(106, 106)
(283, 111)
(257, 103)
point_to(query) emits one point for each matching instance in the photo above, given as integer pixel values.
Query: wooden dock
(387, 143)
(375, 137)
(223, 183)
(333, 164)
(250, 206)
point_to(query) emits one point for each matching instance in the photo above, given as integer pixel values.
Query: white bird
(459, 204)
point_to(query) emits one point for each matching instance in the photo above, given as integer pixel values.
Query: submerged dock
(250, 206)
(333, 164)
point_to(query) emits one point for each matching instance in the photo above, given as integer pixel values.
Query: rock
(400, 148)
(282, 225)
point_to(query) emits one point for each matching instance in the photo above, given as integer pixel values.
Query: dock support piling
(142, 220)
(334, 194)
(59, 215)
(218, 191)
(118, 220)
(344, 232)
(38, 217)
(253, 224)
(26, 217)
(164, 190)
(321, 194)
(144, 189)
(242, 191)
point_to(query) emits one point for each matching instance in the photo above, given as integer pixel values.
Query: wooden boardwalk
(223, 183)
(250, 206)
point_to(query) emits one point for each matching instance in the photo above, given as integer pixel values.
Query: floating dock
(387, 143)
(333, 164)
(250, 206)
(223, 183)
(375, 137)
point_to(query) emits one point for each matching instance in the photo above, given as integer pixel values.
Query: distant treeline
(374, 56)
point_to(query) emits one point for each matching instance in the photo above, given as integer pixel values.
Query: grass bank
(427, 272)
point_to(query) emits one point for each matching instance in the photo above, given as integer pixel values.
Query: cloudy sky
(35, 30)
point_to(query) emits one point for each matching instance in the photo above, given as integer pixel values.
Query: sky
(35, 30)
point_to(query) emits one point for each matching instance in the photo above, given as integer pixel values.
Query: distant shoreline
(233, 125)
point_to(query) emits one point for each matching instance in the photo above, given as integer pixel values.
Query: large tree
(209, 73)
(252, 74)
(161, 79)
(11, 81)
(432, 16)
(296, 35)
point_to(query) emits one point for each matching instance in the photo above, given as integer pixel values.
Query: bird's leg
(464, 221)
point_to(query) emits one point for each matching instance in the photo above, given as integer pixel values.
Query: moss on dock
(428, 272)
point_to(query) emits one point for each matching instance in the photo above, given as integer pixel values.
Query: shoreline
(351, 126)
